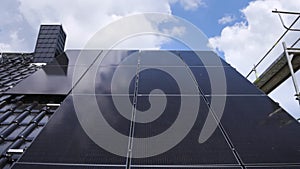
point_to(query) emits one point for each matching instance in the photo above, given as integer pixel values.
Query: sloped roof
(21, 116)
(253, 131)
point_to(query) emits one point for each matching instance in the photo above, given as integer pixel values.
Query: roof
(14, 68)
(21, 116)
(252, 132)
(136, 109)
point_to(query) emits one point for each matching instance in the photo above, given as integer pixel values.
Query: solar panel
(199, 167)
(101, 78)
(71, 58)
(49, 80)
(57, 76)
(158, 109)
(274, 167)
(64, 140)
(236, 83)
(53, 166)
(260, 131)
(115, 57)
(216, 151)
(148, 80)
(202, 58)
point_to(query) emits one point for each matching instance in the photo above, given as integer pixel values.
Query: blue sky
(207, 16)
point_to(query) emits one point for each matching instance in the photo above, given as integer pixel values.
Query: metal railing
(287, 29)
(289, 61)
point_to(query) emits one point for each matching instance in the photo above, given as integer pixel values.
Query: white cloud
(252, 38)
(150, 42)
(175, 31)
(245, 43)
(4, 47)
(226, 19)
(81, 19)
(84, 18)
(13, 30)
(14, 42)
(191, 4)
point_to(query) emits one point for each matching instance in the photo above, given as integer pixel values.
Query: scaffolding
(284, 66)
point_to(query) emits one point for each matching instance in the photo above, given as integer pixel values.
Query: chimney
(50, 43)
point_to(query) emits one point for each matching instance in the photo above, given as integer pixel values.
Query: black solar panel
(71, 58)
(236, 83)
(202, 58)
(154, 109)
(275, 167)
(261, 131)
(50, 80)
(148, 80)
(115, 57)
(59, 75)
(64, 141)
(216, 151)
(195, 167)
(53, 166)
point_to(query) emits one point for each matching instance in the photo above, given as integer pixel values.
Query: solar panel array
(253, 132)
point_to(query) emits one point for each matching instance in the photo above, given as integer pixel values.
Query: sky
(241, 31)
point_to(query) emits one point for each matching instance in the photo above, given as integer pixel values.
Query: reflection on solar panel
(149, 100)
